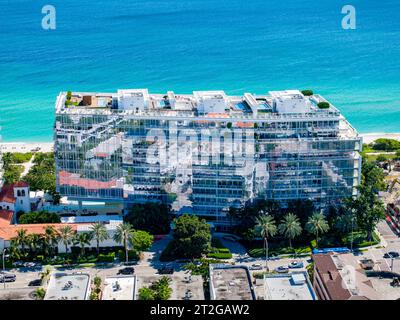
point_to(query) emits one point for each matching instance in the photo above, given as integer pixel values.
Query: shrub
(146, 294)
(40, 293)
(106, 257)
(313, 243)
(20, 157)
(132, 255)
(307, 92)
(97, 281)
(381, 158)
(220, 255)
(69, 95)
(323, 105)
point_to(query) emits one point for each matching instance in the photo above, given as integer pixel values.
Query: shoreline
(25, 147)
(48, 146)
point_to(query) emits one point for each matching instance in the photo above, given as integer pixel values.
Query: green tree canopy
(39, 217)
(290, 227)
(42, 175)
(150, 217)
(141, 240)
(386, 144)
(191, 236)
(317, 225)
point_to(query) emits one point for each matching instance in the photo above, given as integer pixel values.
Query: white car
(256, 266)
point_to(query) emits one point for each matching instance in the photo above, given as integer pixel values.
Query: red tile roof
(7, 194)
(330, 276)
(21, 184)
(72, 179)
(9, 231)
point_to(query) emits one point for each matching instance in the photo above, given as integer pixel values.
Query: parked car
(7, 277)
(126, 271)
(166, 270)
(296, 265)
(256, 266)
(18, 263)
(391, 254)
(282, 269)
(29, 264)
(35, 283)
(273, 257)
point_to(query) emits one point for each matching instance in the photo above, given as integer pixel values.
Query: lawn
(255, 249)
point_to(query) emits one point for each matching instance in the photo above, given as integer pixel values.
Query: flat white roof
(119, 288)
(63, 286)
(288, 287)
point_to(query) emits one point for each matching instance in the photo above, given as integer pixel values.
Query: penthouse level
(275, 105)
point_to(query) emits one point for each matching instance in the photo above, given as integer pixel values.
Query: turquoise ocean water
(185, 45)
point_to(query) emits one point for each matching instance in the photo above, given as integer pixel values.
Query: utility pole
(4, 268)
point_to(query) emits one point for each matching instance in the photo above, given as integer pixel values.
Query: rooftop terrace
(140, 102)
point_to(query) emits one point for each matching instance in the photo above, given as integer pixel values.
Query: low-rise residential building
(292, 286)
(340, 277)
(8, 230)
(64, 286)
(228, 282)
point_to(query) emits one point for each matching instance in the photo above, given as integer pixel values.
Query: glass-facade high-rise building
(204, 152)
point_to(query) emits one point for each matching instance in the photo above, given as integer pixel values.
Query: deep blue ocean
(184, 45)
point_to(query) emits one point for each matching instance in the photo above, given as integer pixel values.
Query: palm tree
(99, 232)
(123, 235)
(50, 238)
(267, 228)
(34, 241)
(21, 239)
(317, 224)
(290, 227)
(66, 235)
(83, 239)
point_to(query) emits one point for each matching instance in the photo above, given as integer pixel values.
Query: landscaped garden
(43, 248)
(298, 229)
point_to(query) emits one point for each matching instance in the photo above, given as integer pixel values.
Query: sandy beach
(26, 146)
(370, 137)
(48, 146)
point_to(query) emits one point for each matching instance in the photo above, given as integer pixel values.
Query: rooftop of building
(293, 286)
(199, 102)
(9, 230)
(229, 282)
(344, 277)
(7, 191)
(119, 288)
(63, 286)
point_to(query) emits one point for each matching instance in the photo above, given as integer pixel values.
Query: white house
(15, 197)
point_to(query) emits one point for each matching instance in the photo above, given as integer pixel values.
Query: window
(23, 193)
